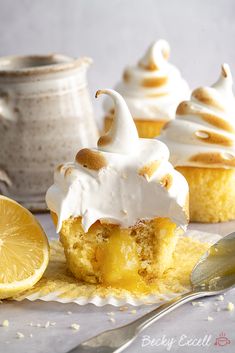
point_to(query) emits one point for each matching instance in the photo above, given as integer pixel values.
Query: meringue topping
(123, 136)
(156, 56)
(203, 133)
(91, 159)
(124, 172)
(153, 88)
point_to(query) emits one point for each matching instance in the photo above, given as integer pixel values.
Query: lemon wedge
(24, 249)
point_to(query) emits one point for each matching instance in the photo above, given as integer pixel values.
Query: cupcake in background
(201, 141)
(152, 90)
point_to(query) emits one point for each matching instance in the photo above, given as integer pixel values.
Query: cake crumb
(217, 309)
(220, 298)
(210, 318)
(133, 311)
(230, 306)
(75, 327)
(47, 324)
(123, 308)
(5, 323)
(111, 319)
(198, 304)
(69, 312)
(19, 335)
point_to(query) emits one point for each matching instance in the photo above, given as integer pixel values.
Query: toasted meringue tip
(149, 169)
(59, 168)
(99, 92)
(161, 45)
(107, 91)
(167, 181)
(90, 159)
(215, 158)
(157, 53)
(225, 71)
(183, 108)
(164, 47)
(104, 140)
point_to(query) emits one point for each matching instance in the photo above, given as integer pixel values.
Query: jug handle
(4, 177)
(4, 109)
(6, 113)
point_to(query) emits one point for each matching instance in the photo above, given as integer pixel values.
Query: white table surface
(170, 334)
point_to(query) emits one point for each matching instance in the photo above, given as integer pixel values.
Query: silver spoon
(213, 274)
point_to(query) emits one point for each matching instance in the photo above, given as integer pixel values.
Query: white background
(116, 32)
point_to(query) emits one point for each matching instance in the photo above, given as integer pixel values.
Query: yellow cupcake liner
(58, 284)
(146, 128)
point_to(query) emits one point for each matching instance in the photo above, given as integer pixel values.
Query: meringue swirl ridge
(153, 88)
(203, 133)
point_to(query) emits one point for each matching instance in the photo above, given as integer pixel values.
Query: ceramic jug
(45, 118)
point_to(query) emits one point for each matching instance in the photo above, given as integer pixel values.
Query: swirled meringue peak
(124, 180)
(203, 133)
(153, 88)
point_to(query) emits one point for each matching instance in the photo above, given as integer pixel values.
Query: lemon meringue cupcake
(119, 207)
(152, 90)
(201, 141)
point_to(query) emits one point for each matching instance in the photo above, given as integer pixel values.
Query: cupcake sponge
(211, 193)
(146, 128)
(145, 249)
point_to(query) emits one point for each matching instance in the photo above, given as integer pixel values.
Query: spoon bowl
(215, 271)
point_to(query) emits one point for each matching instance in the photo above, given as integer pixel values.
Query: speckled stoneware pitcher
(45, 118)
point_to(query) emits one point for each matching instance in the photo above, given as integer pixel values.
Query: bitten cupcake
(201, 141)
(119, 207)
(152, 90)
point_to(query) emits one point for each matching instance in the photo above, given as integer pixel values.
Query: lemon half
(24, 249)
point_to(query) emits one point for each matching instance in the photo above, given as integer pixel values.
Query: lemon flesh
(24, 249)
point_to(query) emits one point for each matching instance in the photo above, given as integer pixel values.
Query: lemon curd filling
(129, 258)
(119, 262)
(175, 280)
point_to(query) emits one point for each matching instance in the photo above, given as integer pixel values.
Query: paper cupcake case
(59, 285)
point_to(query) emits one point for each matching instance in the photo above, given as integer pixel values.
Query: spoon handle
(148, 319)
